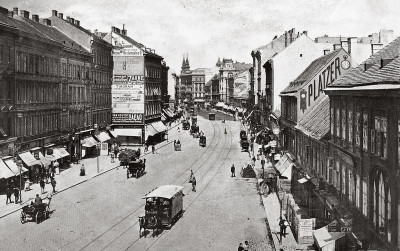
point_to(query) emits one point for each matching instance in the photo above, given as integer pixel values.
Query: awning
(163, 118)
(103, 136)
(150, 131)
(29, 159)
(159, 126)
(5, 172)
(171, 113)
(199, 100)
(113, 133)
(89, 142)
(302, 180)
(13, 166)
(168, 113)
(284, 166)
(323, 237)
(219, 104)
(61, 152)
(130, 132)
(45, 161)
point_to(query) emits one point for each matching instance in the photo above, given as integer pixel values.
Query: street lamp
(19, 164)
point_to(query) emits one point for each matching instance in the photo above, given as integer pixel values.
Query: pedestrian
(153, 149)
(42, 184)
(194, 184)
(240, 248)
(246, 246)
(233, 171)
(16, 194)
(262, 161)
(8, 193)
(53, 184)
(254, 160)
(178, 129)
(282, 224)
(56, 168)
(112, 157)
(82, 173)
(191, 176)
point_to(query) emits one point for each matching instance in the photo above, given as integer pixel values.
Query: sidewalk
(272, 210)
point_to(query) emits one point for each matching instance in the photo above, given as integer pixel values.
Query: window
(18, 64)
(398, 143)
(338, 122)
(357, 191)
(350, 126)
(358, 128)
(344, 176)
(332, 121)
(365, 198)
(24, 62)
(365, 131)
(1, 53)
(380, 136)
(344, 124)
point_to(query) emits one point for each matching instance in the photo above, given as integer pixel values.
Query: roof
(310, 72)
(24, 27)
(241, 66)
(323, 237)
(375, 73)
(316, 123)
(133, 42)
(56, 35)
(166, 191)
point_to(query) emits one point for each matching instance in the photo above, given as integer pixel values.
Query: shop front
(6, 174)
(12, 165)
(129, 136)
(33, 165)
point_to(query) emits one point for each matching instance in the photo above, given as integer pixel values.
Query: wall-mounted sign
(127, 118)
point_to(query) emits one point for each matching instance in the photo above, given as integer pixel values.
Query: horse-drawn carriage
(194, 119)
(202, 141)
(211, 116)
(245, 145)
(194, 130)
(36, 212)
(164, 206)
(177, 145)
(136, 168)
(185, 125)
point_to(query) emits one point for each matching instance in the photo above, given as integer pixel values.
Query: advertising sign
(104, 149)
(127, 93)
(305, 231)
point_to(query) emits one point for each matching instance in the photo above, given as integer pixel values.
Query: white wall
(288, 64)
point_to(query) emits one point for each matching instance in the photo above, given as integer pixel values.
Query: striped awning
(45, 161)
(13, 166)
(103, 136)
(5, 172)
(89, 142)
(29, 159)
(61, 152)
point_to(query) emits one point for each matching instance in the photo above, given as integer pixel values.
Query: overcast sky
(208, 29)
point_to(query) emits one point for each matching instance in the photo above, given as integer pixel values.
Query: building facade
(140, 88)
(365, 126)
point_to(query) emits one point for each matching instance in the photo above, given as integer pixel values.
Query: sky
(206, 29)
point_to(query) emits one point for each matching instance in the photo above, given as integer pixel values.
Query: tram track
(202, 190)
(210, 149)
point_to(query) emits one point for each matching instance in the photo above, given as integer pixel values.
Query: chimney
(11, 13)
(117, 30)
(305, 33)
(123, 30)
(15, 11)
(68, 19)
(60, 15)
(77, 23)
(54, 12)
(113, 29)
(24, 13)
(35, 18)
(375, 48)
(351, 41)
(286, 42)
(72, 20)
(47, 21)
(326, 51)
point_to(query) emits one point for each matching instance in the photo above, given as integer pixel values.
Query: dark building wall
(153, 82)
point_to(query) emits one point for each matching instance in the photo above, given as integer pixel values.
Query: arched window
(382, 205)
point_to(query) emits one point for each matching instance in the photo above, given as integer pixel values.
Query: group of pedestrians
(12, 191)
(43, 184)
(243, 247)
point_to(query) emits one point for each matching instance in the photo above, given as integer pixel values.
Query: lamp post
(19, 164)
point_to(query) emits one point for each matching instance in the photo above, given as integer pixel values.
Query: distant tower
(219, 63)
(185, 64)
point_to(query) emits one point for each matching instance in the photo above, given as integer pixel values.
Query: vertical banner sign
(104, 149)
(305, 231)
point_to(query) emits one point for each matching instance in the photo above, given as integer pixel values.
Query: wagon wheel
(137, 174)
(38, 217)
(46, 214)
(23, 217)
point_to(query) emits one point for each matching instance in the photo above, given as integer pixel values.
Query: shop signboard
(305, 231)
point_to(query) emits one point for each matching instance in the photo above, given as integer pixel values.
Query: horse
(142, 224)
